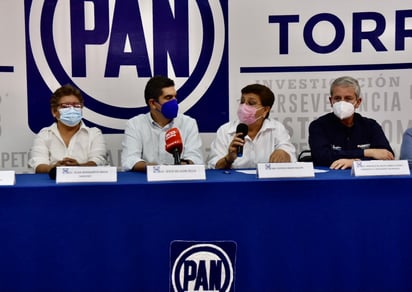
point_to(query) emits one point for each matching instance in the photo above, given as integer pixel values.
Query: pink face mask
(247, 114)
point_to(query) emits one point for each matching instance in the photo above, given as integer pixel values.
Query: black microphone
(52, 173)
(241, 128)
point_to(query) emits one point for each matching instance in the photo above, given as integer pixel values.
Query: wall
(212, 49)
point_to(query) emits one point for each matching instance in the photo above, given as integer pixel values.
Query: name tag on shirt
(7, 178)
(175, 172)
(380, 167)
(76, 174)
(289, 169)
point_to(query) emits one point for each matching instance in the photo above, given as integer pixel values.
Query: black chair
(305, 156)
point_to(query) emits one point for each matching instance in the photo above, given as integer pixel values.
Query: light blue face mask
(70, 116)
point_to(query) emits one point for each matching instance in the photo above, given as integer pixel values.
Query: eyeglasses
(69, 105)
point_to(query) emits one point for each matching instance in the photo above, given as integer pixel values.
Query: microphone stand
(176, 156)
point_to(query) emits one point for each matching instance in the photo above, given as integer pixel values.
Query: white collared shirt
(272, 136)
(144, 140)
(86, 145)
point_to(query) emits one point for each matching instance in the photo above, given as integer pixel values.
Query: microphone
(174, 144)
(241, 128)
(52, 173)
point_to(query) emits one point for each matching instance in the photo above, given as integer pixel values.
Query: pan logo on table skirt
(202, 266)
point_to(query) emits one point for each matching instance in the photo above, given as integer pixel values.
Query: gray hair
(346, 81)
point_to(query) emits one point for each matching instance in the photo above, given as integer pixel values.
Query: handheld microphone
(174, 144)
(241, 128)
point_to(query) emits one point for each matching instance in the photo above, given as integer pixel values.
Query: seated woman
(406, 146)
(266, 140)
(68, 141)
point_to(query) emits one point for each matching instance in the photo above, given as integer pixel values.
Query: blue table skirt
(333, 232)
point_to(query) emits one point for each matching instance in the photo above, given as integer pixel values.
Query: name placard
(175, 172)
(290, 169)
(380, 167)
(7, 178)
(76, 174)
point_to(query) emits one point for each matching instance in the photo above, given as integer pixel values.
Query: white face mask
(343, 109)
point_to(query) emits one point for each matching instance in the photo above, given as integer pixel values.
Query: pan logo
(202, 266)
(110, 48)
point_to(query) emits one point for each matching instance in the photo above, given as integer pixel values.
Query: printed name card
(76, 174)
(175, 172)
(380, 167)
(7, 177)
(281, 170)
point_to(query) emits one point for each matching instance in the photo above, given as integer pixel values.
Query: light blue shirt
(272, 136)
(144, 140)
(406, 146)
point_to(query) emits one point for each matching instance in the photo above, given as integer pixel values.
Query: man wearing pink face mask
(267, 140)
(339, 138)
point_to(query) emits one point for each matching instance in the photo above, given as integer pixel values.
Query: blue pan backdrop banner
(109, 49)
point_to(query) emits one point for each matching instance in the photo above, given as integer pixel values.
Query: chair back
(305, 156)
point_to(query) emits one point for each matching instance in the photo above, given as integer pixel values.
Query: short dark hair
(65, 90)
(266, 95)
(155, 86)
